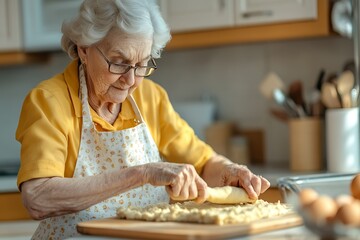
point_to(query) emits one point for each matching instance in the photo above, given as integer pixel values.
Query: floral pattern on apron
(105, 151)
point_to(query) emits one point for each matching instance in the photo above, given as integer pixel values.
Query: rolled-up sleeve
(41, 132)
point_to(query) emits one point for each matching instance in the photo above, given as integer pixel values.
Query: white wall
(15, 82)
(231, 74)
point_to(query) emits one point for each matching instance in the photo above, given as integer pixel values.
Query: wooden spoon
(345, 83)
(329, 96)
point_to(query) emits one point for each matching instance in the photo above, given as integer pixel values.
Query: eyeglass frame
(129, 67)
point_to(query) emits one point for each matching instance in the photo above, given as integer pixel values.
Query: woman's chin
(119, 99)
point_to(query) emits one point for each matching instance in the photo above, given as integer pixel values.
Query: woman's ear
(82, 52)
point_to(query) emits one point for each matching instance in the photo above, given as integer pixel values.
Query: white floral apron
(105, 151)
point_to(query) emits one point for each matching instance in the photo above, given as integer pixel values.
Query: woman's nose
(129, 77)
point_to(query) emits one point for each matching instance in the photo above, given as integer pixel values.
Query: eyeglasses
(122, 68)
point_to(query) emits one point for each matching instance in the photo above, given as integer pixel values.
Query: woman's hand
(220, 171)
(181, 180)
(239, 175)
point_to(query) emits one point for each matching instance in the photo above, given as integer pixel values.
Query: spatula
(296, 94)
(283, 100)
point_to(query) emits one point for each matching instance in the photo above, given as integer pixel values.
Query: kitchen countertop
(272, 173)
(8, 182)
(297, 233)
(24, 229)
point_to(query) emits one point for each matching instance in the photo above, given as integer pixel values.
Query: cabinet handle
(265, 13)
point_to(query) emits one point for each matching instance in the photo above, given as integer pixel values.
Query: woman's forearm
(46, 197)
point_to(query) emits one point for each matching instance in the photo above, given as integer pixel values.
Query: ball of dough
(228, 195)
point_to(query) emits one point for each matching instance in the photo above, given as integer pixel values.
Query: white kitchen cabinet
(266, 31)
(248, 12)
(10, 25)
(188, 15)
(42, 20)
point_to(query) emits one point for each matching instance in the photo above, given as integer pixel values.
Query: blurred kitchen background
(220, 53)
(226, 71)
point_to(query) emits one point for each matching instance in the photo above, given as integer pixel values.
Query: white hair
(97, 17)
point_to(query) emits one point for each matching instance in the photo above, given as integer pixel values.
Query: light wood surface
(171, 230)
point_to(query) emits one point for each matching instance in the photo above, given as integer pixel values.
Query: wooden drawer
(272, 195)
(12, 208)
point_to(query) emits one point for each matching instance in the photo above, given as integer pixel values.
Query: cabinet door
(42, 20)
(200, 14)
(250, 12)
(10, 38)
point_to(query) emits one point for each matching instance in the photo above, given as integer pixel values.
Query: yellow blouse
(51, 119)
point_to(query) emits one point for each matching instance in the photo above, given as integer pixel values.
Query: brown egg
(349, 214)
(355, 187)
(344, 199)
(307, 196)
(323, 209)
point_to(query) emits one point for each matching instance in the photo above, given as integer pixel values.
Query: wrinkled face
(106, 87)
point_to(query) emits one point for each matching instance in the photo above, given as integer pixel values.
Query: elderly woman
(91, 137)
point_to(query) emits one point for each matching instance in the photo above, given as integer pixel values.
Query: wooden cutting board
(178, 231)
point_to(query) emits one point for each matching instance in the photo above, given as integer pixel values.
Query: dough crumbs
(206, 213)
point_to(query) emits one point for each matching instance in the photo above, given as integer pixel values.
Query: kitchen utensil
(320, 80)
(271, 81)
(329, 96)
(178, 231)
(316, 107)
(280, 114)
(355, 96)
(345, 83)
(296, 94)
(350, 66)
(280, 98)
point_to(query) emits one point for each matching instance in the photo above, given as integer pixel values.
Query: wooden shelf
(17, 58)
(283, 31)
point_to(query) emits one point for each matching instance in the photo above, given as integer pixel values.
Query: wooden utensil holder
(306, 144)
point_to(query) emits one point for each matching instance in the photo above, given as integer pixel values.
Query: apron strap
(135, 108)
